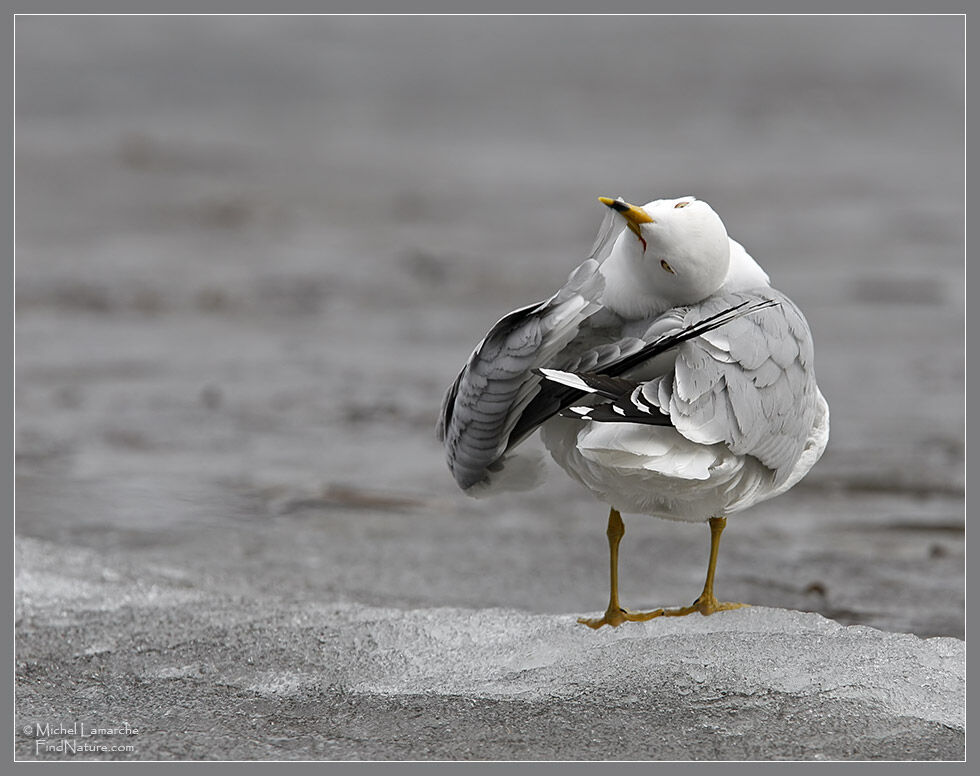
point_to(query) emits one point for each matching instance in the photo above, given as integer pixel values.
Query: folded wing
(748, 383)
(500, 396)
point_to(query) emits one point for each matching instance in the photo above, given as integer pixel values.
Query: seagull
(666, 375)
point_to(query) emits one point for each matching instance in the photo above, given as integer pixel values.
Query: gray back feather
(749, 384)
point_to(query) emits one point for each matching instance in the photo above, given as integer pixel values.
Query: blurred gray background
(253, 252)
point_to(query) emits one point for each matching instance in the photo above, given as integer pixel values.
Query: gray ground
(263, 674)
(252, 253)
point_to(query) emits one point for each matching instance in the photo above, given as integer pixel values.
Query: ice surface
(757, 682)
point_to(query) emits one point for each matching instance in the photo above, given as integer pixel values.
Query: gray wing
(499, 397)
(483, 407)
(749, 383)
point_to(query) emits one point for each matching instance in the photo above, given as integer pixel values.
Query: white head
(676, 252)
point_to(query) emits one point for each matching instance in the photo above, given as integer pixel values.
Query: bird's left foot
(615, 617)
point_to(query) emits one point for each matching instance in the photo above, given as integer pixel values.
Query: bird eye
(681, 204)
(667, 267)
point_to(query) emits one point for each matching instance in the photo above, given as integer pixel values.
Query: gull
(666, 375)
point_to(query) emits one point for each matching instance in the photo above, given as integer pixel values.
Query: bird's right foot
(706, 604)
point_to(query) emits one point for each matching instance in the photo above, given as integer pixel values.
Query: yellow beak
(634, 215)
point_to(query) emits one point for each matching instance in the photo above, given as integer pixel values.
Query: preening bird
(666, 376)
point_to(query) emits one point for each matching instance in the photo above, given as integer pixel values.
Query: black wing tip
(613, 413)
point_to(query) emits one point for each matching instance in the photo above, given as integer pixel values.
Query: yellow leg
(615, 614)
(705, 604)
